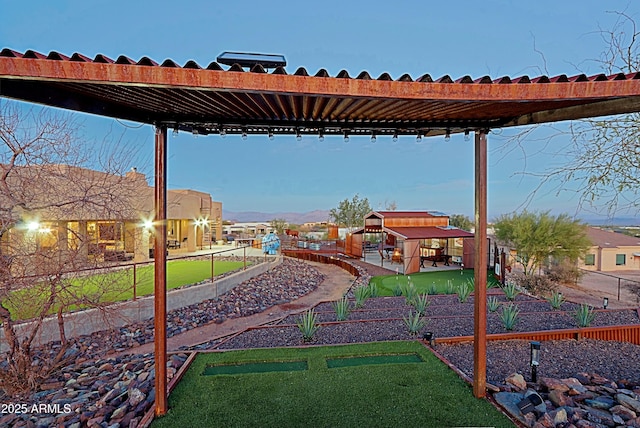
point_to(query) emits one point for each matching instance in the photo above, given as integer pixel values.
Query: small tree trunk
(63, 337)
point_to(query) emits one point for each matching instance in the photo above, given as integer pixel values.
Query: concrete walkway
(335, 285)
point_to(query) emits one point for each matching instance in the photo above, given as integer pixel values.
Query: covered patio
(247, 99)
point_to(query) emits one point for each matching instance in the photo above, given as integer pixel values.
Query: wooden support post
(160, 276)
(480, 268)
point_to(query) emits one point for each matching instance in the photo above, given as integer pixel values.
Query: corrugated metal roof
(214, 99)
(408, 214)
(428, 232)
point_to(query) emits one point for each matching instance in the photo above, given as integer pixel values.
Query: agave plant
(464, 291)
(421, 303)
(509, 316)
(584, 315)
(373, 289)
(414, 322)
(556, 300)
(397, 290)
(308, 325)
(341, 307)
(410, 292)
(510, 291)
(493, 304)
(433, 289)
(361, 294)
(450, 287)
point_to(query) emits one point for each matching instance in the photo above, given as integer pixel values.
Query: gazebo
(245, 98)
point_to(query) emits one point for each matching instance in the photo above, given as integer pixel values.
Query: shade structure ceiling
(235, 100)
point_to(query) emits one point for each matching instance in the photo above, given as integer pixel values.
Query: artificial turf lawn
(425, 281)
(117, 285)
(422, 394)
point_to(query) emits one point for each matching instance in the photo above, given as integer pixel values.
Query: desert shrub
(510, 290)
(538, 285)
(397, 290)
(373, 289)
(563, 273)
(410, 292)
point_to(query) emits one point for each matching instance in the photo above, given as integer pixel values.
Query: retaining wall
(120, 314)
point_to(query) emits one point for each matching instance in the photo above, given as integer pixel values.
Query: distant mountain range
(294, 218)
(615, 221)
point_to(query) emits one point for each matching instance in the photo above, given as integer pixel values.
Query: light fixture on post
(447, 136)
(534, 360)
(605, 302)
(430, 338)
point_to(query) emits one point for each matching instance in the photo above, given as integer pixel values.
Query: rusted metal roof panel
(234, 100)
(428, 232)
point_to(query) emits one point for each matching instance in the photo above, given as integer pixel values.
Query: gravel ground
(381, 319)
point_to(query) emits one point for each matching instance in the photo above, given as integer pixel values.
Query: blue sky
(457, 38)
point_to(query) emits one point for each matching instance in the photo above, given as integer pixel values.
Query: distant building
(611, 251)
(413, 238)
(109, 218)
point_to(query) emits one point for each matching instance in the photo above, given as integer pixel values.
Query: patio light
(466, 135)
(605, 302)
(429, 337)
(534, 360)
(447, 136)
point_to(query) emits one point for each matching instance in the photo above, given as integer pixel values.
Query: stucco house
(104, 217)
(611, 251)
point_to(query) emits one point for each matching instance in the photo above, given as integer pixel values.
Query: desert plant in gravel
(361, 294)
(341, 307)
(493, 304)
(433, 289)
(556, 300)
(421, 303)
(509, 316)
(584, 315)
(414, 322)
(373, 290)
(510, 290)
(397, 290)
(464, 291)
(450, 287)
(410, 292)
(308, 325)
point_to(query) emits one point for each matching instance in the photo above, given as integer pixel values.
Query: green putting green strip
(245, 368)
(374, 359)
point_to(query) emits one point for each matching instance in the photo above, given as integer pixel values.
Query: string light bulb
(395, 137)
(373, 136)
(419, 138)
(223, 132)
(346, 136)
(298, 135)
(175, 130)
(321, 135)
(271, 136)
(447, 136)
(244, 133)
(466, 135)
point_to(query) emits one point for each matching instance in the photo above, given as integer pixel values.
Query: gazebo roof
(218, 100)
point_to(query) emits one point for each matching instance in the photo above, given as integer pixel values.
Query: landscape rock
(517, 380)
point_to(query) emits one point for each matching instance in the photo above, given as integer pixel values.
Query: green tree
(350, 213)
(539, 236)
(279, 225)
(461, 222)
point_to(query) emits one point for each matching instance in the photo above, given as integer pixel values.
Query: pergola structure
(214, 100)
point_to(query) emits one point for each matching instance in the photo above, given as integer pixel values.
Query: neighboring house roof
(607, 239)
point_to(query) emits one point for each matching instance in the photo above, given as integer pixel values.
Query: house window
(621, 259)
(590, 260)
